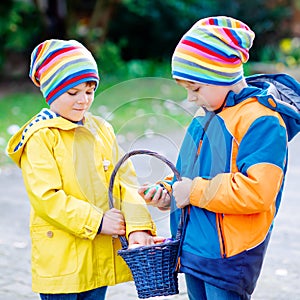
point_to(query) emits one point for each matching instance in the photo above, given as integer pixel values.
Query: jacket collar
(279, 92)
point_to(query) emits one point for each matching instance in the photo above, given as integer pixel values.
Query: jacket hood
(44, 119)
(285, 91)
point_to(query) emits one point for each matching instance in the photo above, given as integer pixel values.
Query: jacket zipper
(219, 217)
(221, 235)
(202, 137)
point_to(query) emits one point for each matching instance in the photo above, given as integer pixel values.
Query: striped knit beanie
(58, 65)
(213, 51)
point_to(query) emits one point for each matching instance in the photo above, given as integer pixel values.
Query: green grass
(15, 110)
(135, 107)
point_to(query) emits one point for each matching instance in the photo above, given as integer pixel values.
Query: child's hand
(155, 195)
(158, 239)
(142, 238)
(113, 223)
(181, 192)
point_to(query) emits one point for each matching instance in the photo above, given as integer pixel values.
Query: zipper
(206, 125)
(221, 235)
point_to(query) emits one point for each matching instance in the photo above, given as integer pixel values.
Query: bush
(19, 24)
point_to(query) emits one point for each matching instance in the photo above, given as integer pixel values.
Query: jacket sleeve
(44, 186)
(133, 206)
(167, 182)
(261, 163)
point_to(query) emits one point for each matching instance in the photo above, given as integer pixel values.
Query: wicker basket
(153, 267)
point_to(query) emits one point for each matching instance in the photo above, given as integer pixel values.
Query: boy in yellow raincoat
(67, 155)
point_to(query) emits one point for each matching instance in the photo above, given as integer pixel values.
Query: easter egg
(156, 186)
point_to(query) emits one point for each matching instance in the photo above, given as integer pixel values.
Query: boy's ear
(178, 81)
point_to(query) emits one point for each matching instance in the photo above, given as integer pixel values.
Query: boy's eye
(74, 93)
(195, 88)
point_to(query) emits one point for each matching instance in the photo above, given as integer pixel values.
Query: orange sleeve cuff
(167, 186)
(197, 195)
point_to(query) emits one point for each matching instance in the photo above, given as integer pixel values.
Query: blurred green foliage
(16, 109)
(19, 22)
(118, 31)
(290, 51)
(151, 29)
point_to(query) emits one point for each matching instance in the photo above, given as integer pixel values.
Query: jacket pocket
(54, 252)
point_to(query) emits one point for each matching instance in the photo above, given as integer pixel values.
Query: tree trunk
(102, 15)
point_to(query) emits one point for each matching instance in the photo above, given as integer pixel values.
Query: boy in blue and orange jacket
(233, 159)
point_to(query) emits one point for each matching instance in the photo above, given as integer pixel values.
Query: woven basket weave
(153, 267)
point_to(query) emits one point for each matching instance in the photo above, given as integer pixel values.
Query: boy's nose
(83, 99)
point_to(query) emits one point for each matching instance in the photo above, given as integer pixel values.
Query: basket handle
(117, 167)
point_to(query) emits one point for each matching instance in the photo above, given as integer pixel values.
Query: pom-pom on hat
(213, 51)
(57, 66)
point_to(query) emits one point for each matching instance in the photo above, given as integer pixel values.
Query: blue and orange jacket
(237, 159)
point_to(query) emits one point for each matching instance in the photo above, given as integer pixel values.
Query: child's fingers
(142, 190)
(149, 194)
(156, 195)
(158, 239)
(113, 223)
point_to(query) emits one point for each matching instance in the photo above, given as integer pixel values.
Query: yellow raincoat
(66, 169)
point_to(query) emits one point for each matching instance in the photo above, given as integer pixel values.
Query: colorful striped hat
(57, 66)
(213, 51)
